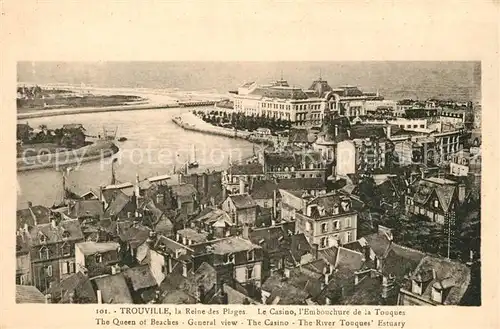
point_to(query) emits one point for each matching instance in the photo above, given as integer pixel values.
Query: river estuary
(154, 146)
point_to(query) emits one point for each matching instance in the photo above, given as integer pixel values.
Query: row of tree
(241, 121)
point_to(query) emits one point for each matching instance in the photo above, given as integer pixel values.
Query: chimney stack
(286, 272)
(99, 296)
(461, 193)
(242, 186)
(53, 224)
(388, 132)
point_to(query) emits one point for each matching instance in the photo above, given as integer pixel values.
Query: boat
(193, 163)
(122, 139)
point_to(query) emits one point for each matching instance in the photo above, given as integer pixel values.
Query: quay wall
(94, 152)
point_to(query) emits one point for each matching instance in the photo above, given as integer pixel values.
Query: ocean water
(460, 81)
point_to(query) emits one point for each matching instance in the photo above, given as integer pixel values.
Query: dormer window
(98, 258)
(229, 258)
(66, 235)
(437, 295)
(416, 287)
(324, 227)
(251, 255)
(336, 225)
(178, 237)
(42, 237)
(44, 253)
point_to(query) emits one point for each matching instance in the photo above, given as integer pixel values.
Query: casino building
(304, 108)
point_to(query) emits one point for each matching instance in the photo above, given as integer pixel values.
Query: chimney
(388, 132)
(433, 274)
(336, 130)
(169, 264)
(201, 293)
(30, 204)
(101, 196)
(137, 190)
(356, 279)
(53, 224)
(48, 298)
(246, 230)
(99, 296)
(273, 222)
(286, 272)
(461, 193)
(242, 186)
(26, 227)
(133, 198)
(184, 270)
(315, 250)
(275, 205)
(327, 278)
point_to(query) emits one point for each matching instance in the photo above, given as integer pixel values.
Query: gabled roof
(350, 259)
(114, 289)
(263, 189)
(232, 245)
(450, 276)
(66, 230)
(242, 201)
(32, 215)
(135, 235)
(443, 188)
(117, 204)
(184, 190)
(77, 283)
(193, 235)
(271, 239)
(86, 208)
(283, 292)
(140, 277)
(29, 295)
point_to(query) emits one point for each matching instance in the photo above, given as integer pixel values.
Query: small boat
(122, 139)
(193, 163)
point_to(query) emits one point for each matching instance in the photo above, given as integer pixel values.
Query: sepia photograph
(249, 182)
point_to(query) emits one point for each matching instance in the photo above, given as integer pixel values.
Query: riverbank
(189, 121)
(93, 152)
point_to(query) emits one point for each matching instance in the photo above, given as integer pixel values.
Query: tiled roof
(78, 283)
(400, 261)
(246, 169)
(30, 216)
(242, 201)
(452, 276)
(232, 245)
(140, 277)
(110, 195)
(135, 235)
(193, 235)
(310, 183)
(444, 189)
(170, 246)
(329, 254)
(212, 216)
(349, 259)
(66, 230)
(91, 248)
(298, 136)
(29, 295)
(84, 208)
(178, 297)
(283, 292)
(117, 204)
(263, 189)
(236, 297)
(367, 131)
(184, 190)
(279, 92)
(271, 239)
(114, 289)
(379, 243)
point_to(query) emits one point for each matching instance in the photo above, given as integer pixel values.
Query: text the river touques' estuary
(154, 146)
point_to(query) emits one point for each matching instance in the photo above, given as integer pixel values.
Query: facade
(96, 258)
(242, 209)
(327, 221)
(52, 251)
(289, 164)
(238, 178)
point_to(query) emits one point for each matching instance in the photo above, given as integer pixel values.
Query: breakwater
(131, 107)
(94, 152)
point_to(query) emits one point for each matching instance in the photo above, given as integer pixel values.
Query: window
(324, 227)
(48, 270)
(323, 242)
(98, 258)
(42, 238)
(349, 236)
(249, 273)
(348, 222)
(66, 249)
(416, 287)
(66, 235)
(437, 295)
(251, 255)
(44, 253)
(67, 267)
(336, 225)
(436, 203)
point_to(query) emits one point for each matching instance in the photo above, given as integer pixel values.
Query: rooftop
(29, 295)
(246, 169)
(193, 235)
(140, 277)
(114, 289)
(233, 245)
(91, 248)
(242, 201)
